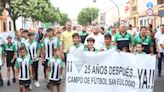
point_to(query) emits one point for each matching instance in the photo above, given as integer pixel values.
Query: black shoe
(14, 80)
(1, 83)
(48, 85)
(8, 83)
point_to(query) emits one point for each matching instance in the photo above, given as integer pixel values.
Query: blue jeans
(160, 63)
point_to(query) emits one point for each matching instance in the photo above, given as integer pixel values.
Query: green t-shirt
(105, 48)
(123, 41)
(87, 49)
(9, 50)
(147, 42)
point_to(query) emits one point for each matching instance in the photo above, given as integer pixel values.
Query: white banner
(109, 72)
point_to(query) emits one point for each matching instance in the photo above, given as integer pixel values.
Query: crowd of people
(23, 53)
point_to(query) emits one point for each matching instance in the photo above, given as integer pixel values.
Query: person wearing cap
(9, 55)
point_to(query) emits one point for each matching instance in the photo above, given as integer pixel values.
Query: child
(76, 43)
(9, 51)
(24, 68)
(58, 34)
(17, 42)
(90, 47)
(49, 43)
(108, 43)
(139, 49)
(33, 50)
(55, 66)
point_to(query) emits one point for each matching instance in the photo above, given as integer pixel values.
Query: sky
(73, 7)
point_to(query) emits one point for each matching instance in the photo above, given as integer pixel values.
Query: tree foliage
(87, 15)
(39, 10)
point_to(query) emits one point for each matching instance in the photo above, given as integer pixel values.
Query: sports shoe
(8, 83)
(30, 87)
(37, 84)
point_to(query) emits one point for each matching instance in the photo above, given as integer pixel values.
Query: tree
(37, 10)
(64, 19)
(87, 15)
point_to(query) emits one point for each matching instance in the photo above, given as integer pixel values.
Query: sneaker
(37, 84)
(14, 80)
(8, 83)
(30, 87)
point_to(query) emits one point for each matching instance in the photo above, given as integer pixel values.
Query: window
(9, 25)
(4, 27)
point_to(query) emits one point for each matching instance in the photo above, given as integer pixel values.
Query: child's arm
(31, 77)
(30, 63)
(16, 72)
(17, 69)
(43, 55)
(15, 54)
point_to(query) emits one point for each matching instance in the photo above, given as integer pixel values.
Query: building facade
(3, 22)
(138, 15)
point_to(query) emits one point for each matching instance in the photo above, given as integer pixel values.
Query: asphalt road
(159, 83)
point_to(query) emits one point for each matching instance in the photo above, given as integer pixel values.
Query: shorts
(10, 64)
(25, 82)
(55, 83)
(46, 64)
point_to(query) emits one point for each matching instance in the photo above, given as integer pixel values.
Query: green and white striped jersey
(24, 67)
(50, 44)
(32, 49)
(55, 65)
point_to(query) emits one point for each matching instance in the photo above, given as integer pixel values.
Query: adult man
(131, 31)
(158, 37)
(66, 39)
(162, 42)
(123, 39)
(99, 38)
(83, 34)
(145, 40)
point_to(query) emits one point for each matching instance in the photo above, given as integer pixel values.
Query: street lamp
(92, 15)
(118, 11)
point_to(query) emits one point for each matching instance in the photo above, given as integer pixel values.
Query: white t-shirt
(158, 36)
(162, 40)
(99, 40)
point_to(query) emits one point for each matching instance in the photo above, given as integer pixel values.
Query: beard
(95, 32)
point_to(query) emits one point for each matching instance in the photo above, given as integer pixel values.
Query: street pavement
(159, 83)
